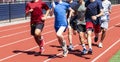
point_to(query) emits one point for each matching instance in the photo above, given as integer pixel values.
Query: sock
(41, 41)
(90, 47)
(64, 46)
(83, 45)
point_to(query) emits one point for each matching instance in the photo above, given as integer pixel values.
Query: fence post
(25, 13)
(9, 11)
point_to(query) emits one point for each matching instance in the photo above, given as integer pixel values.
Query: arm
(52, 7)
(100, 8)
(110, 7)
(70, 14)
(51, 11)
(47, 11)
(45, 16)
(100, 14)
(28, 10)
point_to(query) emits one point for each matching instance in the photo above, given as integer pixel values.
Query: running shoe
(100, 45)
(96, 39)
(84, 51)
(90, 51)
(70, 48)
(65, 53)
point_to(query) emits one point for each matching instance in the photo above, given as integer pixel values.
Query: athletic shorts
(73, 22)
(104, 24)
(81, 28)
(95, 27)
(57, 28)
(36, 26)
(104, 21)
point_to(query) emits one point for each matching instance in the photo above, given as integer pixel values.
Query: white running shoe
(100, 45)
(70, 48)
(65, 53)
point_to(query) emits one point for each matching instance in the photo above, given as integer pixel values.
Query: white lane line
(34, 48)
(21, 32)
(28, 50)
(58, 54)
(45, 27)
(21, 53)
(18, 27)
(116, 42)
(14, 28)
(14, 34)
(77, 44)
(24, 39)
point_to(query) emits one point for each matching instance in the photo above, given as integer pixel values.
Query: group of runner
(83, 17)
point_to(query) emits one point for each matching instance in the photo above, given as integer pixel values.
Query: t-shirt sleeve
(45, 6)
(110, 6)
(27, 8)
(68, 6)
(100, 5)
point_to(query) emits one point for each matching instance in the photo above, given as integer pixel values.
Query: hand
(68, 21)
(30, 10)
(74, 32)
(44, 18)
(81, 19)
(94, 18)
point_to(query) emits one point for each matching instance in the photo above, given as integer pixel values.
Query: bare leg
(61, 40)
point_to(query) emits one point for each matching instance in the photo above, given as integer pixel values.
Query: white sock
(64, 46)
(83, 45)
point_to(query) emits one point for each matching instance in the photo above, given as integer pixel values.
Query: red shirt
(37, 13)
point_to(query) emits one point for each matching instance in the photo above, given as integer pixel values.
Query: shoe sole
(64, 55)
(89, 52)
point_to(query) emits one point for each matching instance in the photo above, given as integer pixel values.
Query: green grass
(116, 57)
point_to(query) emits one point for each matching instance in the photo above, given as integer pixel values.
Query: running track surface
(17, 45)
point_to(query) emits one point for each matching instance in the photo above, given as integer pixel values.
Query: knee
(38, 32)
(59, 35)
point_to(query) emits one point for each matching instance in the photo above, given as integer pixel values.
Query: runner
(105, 20)
(60, 8)
(93, 13)
(37, 20)
(72, 24)
(81, 25)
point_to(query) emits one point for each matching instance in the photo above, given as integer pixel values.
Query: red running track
(17, 45)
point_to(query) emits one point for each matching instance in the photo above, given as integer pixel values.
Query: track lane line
(28, 50)
(31, 48)
(78, 44)
(23, 39)
(22, 32)
(31, 37)
(20, 26)
(116, 42)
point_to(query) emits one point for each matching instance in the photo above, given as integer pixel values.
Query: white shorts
(105, 21)
(104, 24)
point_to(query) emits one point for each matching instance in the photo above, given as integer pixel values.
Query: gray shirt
(80, 8)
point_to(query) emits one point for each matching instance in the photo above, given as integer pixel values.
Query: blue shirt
(93, 8)
(60, 10)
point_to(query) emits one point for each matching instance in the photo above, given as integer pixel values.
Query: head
(80, 1)
(102, 0)
(69, 0)
(57, 0)
(36, 0)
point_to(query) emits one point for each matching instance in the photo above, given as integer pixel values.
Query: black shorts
(81, 28)
(36, 26)
(73, 22)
